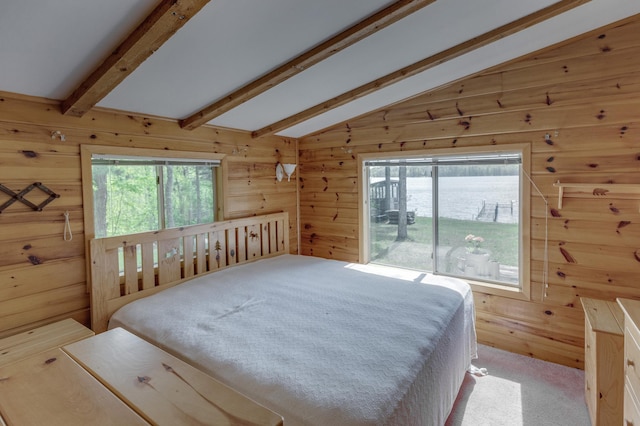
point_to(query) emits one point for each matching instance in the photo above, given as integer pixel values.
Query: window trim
(87, 152)
(524, 290)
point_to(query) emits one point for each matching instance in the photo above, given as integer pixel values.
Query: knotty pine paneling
(42, 277)
(577, 105)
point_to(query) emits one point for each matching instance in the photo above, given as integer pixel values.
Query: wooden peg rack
(19, 196)
(598, 190)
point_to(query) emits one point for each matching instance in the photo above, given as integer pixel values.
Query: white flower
(474, 242)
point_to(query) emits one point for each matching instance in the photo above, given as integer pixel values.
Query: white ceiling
(47, 48)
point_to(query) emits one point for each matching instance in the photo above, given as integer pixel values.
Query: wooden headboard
(129, 267)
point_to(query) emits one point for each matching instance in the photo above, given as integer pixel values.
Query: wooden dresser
(631, 309)
(603, 361)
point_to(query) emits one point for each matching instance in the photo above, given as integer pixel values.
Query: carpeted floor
(520, 391)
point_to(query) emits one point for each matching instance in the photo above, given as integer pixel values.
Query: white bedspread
(319, 342)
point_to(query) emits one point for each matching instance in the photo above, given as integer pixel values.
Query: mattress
(320, 342)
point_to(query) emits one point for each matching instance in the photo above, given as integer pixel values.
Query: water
(462, 197)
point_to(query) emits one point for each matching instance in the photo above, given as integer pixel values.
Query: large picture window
(454, 213)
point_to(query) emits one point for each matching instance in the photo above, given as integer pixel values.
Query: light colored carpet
(520, 391)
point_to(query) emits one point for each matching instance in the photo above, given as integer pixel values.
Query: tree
(168, 198)
(387, 188)
(402, 203)
(100, 195)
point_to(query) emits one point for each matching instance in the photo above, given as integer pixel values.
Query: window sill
(499, 290)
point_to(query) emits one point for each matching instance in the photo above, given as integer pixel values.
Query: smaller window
(134, 193)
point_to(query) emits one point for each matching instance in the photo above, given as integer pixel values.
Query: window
(457, 213)
(135, 191)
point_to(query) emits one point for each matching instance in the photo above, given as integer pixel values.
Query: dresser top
(604, 316)
(631, 308)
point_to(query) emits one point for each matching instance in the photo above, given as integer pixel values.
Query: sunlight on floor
(520, 391)
(505, 401)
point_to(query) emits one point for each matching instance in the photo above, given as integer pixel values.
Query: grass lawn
(500, 240)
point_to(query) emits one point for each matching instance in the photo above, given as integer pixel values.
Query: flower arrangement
(473, 243)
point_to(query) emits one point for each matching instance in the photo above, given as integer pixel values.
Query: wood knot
(623, 223)
(567, 256)
(144, 379)
(464, 124)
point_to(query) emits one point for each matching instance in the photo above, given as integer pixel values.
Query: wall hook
(58, 134)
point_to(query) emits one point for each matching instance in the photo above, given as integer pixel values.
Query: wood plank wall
(43, 277)
(584, 94)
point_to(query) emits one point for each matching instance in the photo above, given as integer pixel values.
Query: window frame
(88, 151)
(523, 291)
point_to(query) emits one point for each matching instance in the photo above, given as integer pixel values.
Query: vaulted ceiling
(287, 67)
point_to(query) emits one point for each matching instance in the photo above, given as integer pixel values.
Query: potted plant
(476, 257)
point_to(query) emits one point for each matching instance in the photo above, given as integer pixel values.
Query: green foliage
(126, 197)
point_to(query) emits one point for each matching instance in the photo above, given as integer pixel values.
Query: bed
(318, 341)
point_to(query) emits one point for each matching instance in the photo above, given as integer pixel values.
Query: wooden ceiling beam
(350, 36)
(423, 65)
(167, 18)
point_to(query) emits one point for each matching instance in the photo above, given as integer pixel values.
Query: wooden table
(160, 387)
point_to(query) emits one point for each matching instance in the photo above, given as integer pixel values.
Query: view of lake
(462, 197)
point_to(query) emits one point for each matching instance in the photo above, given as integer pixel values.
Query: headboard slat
(169, 260)
(201, 254)
(232, 248)
(280, 232)
(217, 250)
(188, 257)
(242, 244)
(148, 266)
(264, 237)
(130, 254)
(254, 246)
